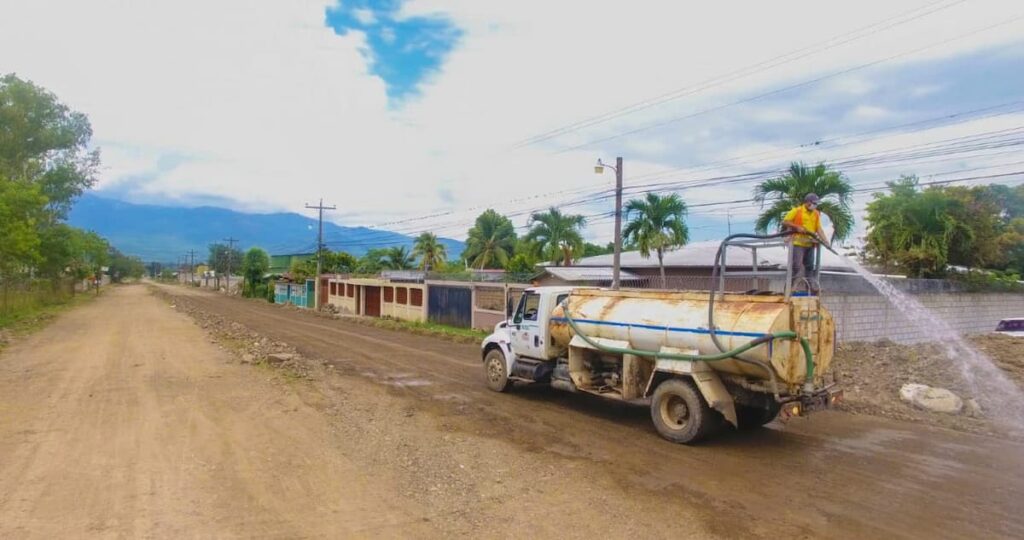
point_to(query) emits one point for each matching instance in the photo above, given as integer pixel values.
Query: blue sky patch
(403, 51)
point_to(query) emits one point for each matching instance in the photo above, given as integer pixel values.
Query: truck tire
(496, 371)
(680, 413)
(754, 417)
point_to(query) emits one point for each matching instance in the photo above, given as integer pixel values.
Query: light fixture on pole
(599, 169)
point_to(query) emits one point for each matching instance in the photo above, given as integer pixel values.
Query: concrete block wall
(870, 317)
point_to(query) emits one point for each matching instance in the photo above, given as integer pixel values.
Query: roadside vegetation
(45, 165)
(450, 333)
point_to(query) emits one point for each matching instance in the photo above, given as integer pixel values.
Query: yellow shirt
(808, 219)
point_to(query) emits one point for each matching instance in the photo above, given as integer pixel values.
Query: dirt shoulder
(873, 373)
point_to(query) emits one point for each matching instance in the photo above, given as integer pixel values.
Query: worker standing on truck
(806, 220)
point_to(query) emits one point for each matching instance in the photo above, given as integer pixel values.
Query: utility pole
(231, 248)
(191, 267)
(599, 169)
(728, 220)
(618, 224)
(319, 250)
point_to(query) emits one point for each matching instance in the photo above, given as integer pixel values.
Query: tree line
(45, 164)
(920, 231)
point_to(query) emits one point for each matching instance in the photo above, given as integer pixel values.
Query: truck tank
(651, 320)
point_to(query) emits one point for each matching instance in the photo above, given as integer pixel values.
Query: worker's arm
(788, 221)
(794, 226)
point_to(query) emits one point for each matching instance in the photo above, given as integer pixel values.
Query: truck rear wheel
(680, 413)
(496, 371)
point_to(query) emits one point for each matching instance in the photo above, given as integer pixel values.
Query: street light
(599, 169)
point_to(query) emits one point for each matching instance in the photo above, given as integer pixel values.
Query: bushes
(19, 300)
(989, 281)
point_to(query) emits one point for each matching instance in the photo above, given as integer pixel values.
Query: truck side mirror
(509, 308)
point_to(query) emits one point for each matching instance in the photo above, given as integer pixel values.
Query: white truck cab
(524, 336)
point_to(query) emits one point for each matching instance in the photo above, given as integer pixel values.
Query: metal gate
(372, 301)
(450, 305)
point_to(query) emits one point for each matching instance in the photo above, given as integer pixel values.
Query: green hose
(808, 355)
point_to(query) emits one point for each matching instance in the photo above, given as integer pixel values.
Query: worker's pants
(803, 266)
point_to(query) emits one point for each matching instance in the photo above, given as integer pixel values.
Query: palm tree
(491, 241)
(556, 236)
(432, 253)
(656, 223)
(398, 258)
(789, 190)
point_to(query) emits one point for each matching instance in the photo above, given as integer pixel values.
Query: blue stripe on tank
(662, 328)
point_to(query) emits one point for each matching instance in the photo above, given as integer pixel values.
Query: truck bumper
(805, 404)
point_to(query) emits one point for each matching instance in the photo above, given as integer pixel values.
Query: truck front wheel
(496, 371)
(679, 412)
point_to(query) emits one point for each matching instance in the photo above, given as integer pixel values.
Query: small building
(477, 305)
(298, 294)
(376, 297)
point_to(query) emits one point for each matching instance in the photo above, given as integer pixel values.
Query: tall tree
(430, 250)
(657, 223)
(255, 265)
(44, 143)
(787, 191)
(490, 242)
(124, 266)
(372, 261)
(557, 237)
(222, 257)
(20, 216)
(398, 258)
(912, 230)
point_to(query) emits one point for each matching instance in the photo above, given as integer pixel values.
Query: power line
(1001, 109)
(785, 88)
(855, 138)
(741, 73)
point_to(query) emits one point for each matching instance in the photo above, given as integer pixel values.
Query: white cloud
(868, 113)
(926, 90)
(364, 16)
(260, 102)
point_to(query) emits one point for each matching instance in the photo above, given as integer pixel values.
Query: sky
(417, 115)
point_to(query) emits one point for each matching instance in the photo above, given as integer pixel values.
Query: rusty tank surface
(658, 320)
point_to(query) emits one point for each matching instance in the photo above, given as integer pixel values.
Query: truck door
(527, 335)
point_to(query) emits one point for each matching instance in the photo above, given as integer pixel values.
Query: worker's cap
(812, 198)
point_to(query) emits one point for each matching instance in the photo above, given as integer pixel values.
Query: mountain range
(165, 233)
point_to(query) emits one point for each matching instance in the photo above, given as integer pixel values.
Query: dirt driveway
(122, 419)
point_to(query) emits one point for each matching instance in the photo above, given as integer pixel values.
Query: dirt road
(833, 475)
(122, 419)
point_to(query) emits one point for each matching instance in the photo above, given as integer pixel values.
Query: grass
(451, 333)
(26, 317)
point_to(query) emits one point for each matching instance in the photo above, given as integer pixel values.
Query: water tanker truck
(700, 360)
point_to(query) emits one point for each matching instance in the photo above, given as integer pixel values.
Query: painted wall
(397, 301)
(870, 317)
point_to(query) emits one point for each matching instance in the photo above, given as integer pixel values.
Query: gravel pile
(248, 346)
(872, 374)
